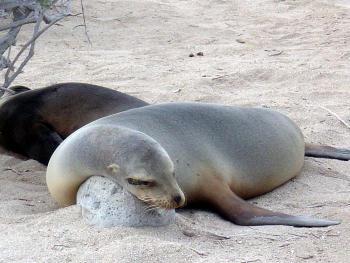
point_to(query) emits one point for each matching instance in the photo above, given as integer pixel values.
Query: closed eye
(134, 181)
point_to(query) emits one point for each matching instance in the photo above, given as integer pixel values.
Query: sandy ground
(292, 56)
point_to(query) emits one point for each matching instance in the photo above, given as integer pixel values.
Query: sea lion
(201, 154)
(34, 122)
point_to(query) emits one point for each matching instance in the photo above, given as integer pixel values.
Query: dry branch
(85, 26)
(25, 12)
(337, 116)
(30, 43)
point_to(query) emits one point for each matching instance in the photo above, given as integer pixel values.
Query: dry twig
(85, 26)
(31, 43)
(337, 116)
(199, 252)
(26, 12)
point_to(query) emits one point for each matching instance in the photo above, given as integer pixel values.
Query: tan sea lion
(34, 122)
(173, 154)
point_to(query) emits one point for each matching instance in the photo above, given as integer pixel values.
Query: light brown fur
(219, 155)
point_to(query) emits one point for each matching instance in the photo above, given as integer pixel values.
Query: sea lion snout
(179, 200)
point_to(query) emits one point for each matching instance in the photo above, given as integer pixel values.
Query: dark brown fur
(34, 122)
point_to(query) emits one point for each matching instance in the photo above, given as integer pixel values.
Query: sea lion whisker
(151, 208)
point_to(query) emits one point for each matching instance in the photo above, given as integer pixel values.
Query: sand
(292, 56)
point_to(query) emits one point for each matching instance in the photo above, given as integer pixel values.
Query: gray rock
(104, 203)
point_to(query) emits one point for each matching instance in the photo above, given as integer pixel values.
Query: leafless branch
(22, 22)
(337, 116)
(7, 90)
(25, 12)
(31, 43)
(85, 26)
(10, 38)
(11, 4)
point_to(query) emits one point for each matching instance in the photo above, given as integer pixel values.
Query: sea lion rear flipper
(44, 142)
(240, 212)
(323, 151)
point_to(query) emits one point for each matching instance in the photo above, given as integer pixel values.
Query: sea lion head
(144, 168)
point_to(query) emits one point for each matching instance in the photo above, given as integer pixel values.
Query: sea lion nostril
(177, 199)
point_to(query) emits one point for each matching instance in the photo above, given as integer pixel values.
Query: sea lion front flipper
(44, 142)
(240, 212)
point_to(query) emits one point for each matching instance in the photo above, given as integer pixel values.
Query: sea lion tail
(323, 151)
(240, 212)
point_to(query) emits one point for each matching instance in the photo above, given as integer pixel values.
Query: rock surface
(104, 203)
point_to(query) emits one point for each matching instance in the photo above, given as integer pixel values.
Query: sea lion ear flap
(13, 91)
(113, 168)
(19, 89)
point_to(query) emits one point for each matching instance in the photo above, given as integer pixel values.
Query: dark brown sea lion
(34, 122)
